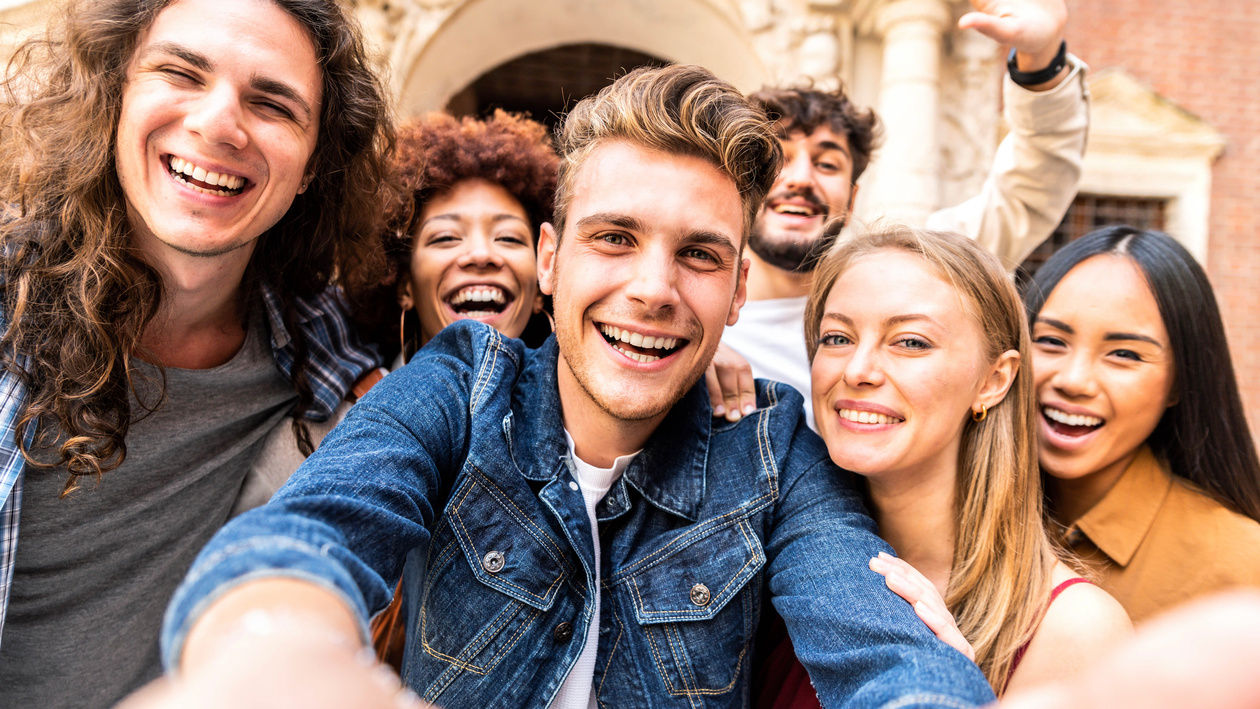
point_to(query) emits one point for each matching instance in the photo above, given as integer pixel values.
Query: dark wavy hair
(1204, 438)
(434, 153)
(76, 297)
(806, 109)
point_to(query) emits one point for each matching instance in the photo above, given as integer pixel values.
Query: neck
(1071, 498)
(200, 323)
(766, 282)
(599, 438)
(916, 516)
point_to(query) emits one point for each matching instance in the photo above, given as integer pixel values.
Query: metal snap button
(700, 595)
(563, 632)
(492, 562)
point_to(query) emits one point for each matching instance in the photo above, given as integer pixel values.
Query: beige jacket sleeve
(1033, 178)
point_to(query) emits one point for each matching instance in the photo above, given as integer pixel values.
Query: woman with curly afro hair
(464, 232)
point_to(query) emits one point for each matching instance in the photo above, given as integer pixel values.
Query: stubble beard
(793, 254)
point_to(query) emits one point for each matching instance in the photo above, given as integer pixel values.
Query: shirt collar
(1120, 521)
(670, 470)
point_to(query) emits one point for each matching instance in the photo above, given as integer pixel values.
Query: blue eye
(833, 340)
(914, 343)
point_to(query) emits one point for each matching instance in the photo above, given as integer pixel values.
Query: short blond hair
(680, 110)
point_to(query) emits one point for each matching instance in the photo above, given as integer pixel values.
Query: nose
(1074, 375)
(865, 367)
(797, 174)
(480, 251)
(653, 279)
(216, 116)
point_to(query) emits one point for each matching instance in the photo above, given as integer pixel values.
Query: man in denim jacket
(500, 458)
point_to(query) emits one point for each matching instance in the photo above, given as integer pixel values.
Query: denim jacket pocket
(698, 608)
(492, 572)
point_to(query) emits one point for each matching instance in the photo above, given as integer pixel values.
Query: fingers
(715, 390)
(732, 390)
(945, 629)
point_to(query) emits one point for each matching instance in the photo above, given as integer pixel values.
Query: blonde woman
(918, 344)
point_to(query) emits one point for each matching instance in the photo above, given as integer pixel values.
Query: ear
(741, 293)
(538, 304)
(405, 300)
(306, 182)
(1001, 377)
(547, 245)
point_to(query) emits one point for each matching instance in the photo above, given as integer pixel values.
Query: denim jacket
(464, 449)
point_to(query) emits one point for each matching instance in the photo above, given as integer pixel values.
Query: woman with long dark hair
(1150, 468)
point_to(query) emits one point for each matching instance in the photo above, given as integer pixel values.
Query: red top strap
(1054, 593)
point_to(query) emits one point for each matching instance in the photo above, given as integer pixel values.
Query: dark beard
(791, 255)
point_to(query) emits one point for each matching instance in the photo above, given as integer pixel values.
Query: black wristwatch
(1033, 78)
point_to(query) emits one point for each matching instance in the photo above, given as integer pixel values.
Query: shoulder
(1195, 520)
(467, 358)
(1082, 624)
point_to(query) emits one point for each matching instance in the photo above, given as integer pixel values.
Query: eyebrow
(1109, 337)
(833, 145)
(200, 61)
(457, 217)
(629, 223)
(894, 320)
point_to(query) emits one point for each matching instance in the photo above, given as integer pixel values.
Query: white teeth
(793, 209)
(636, 356)
(181, 166)
(478, 294)
(866, 417)
(1071, 419)
(639, 340)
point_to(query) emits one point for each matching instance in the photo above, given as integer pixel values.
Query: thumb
(1003, 30)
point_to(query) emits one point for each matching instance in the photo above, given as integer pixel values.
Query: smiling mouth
(797, 210)
(1072, 425)
(867, 417)
(198, 179)
(638, 347)
(480, 301)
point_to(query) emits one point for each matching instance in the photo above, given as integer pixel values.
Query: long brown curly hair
(76, 296)
(434, 153)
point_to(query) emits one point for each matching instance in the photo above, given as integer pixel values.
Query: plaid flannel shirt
(335, 361)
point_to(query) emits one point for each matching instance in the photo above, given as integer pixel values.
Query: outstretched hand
(906, 581)
(1033, 27)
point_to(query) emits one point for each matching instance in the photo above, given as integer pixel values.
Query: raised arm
(1035, 171)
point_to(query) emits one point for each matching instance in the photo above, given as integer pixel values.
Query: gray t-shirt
(95, 570)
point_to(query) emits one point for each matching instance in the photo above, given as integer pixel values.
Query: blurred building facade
(1175, 136)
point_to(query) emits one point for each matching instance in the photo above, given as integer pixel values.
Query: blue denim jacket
(464, 449)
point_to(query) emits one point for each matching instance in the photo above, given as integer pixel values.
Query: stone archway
(476, 36)
(547, 84)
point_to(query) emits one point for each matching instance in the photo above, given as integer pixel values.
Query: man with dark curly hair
(828, 143)
(182, 181)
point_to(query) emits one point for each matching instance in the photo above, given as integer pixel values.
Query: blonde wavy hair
(679, 110)
(999, 584)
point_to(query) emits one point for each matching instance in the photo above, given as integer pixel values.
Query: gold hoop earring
(980, 415)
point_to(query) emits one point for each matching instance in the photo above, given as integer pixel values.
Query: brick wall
(1204, 56)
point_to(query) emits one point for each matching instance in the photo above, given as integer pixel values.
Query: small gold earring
(980, 415)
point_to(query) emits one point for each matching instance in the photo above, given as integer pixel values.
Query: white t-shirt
(770, 334)
(578, 690)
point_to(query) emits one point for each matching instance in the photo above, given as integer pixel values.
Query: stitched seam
(710, 527)
(621, 629)
(660, 666)
(476, 645)
(519, 515)
(681, 660)
(460, 521)
(484, 375)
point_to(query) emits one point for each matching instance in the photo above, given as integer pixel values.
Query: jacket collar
(669, 472)
(1120, 521)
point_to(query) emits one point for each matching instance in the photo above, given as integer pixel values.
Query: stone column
(906, 174)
